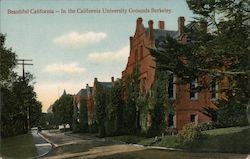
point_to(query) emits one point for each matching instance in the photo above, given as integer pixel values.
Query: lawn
(230, 140)
(21, 146)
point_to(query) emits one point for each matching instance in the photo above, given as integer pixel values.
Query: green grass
(230, 140)
(235, 139)
(21, 146)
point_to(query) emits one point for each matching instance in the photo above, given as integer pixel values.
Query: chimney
(112, 79)
(181, 23)
(161, 25)
(203, 26)
(95, 79)
(150, 26)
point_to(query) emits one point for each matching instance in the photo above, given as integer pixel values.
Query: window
(171, 87)
(194, 118)
(214, 89)
(192, 90)
(141, 52)
(171, 120)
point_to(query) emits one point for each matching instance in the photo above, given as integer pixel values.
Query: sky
(70, 49)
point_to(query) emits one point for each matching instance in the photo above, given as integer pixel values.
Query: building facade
(187, 104)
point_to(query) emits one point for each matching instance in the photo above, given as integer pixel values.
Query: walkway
(42, 146)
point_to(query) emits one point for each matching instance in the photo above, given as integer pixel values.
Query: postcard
(124, 79)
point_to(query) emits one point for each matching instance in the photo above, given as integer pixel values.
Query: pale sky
(70, 49)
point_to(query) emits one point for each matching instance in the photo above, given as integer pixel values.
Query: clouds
(79, 39)
(64, 68)
(119, 55)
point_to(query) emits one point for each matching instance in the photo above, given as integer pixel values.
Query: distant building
(81, 95)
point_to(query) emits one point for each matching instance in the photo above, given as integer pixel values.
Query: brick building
(77, 99)
(187, 104)
(90, 97)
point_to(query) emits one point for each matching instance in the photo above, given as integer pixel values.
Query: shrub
(189, 133)
(206, 126)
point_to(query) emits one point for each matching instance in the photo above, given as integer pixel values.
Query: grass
(21, 146)
(229, 140)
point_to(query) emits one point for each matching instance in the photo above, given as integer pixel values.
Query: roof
(160, 35)
(82, 92)
(105, 84)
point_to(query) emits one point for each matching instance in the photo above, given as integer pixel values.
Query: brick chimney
(203, 26)
(181, 23)
(161, 25)
(151, 29)
(95, 80)
(112, 79)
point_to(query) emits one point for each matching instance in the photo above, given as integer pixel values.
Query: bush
(189, 133)
(206, 126)
(231, 113)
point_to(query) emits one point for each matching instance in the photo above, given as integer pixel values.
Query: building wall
(184, 106)
(140, 56)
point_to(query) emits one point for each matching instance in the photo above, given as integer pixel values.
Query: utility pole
(23, 63)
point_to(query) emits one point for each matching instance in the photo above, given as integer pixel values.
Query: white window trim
(196, 93)
(216, 94)
(174, 88)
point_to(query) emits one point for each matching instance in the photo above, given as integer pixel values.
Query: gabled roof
(105, 84)
(82, 92)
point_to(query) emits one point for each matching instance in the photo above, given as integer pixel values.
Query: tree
(83, 116)
(131, 110)
(7, 63)
(63, 109)
(159, 104)
(101, 98)
(221, 51)
(17, 96)
(114, 110)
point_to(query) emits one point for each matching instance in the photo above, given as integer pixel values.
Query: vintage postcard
(125, 79)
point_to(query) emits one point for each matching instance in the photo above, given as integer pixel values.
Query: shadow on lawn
(235, 142)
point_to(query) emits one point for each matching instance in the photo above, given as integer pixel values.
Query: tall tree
(63, 109)
(17, 95)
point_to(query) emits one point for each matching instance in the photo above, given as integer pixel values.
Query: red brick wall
(184, 106)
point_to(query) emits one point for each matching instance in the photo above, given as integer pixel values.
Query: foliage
(83, 116)
(159, 104)
(131, 112)
(7, 63)
(63, 109)
(210, 112)
(17, 96)
(114, 110)
(101, 98)
(222, 51)
(231, 113)
(206, 126)
(189, 133)
(48, 121)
